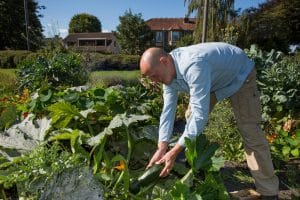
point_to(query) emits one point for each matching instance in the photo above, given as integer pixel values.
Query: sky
(58, 13)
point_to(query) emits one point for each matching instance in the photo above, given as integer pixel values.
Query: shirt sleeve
(167, 117)
(199, 81)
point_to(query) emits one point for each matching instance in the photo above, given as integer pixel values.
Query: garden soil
(239, 183)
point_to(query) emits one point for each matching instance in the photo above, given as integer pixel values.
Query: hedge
(98, 61)
(94, 61)
(10, 58)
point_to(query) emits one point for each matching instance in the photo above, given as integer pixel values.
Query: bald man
(210, 72)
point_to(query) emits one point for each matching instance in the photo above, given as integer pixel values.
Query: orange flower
(25, 114)
(4, 99)
(25, 96)
(272, 137)
(121, 166)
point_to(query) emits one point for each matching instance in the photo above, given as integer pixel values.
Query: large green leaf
(23, 137)
(211, 188)
(118, 121)
(75, 183)
(45, 95)
(62, 113)
(181, 192)
(71, 97)
(126, 120)
(76, 138)
(93, 141)
(200, 153)
(295, 152)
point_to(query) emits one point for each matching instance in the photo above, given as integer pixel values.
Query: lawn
(109, 78)
(7, 81)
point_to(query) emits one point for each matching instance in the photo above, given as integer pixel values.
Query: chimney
(186, 19)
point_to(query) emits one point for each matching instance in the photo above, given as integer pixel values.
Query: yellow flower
(121, 166)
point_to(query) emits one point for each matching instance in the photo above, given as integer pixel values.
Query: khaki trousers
(247, 110)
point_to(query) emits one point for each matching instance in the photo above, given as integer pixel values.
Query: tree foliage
(273, 25)
(133, 34)
(84, 23)
(220, 13)
(12, 24)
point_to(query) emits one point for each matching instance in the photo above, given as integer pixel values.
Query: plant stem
(187, 178)
(3, 194)
(89, 127)
(129, 144)
(119, 180)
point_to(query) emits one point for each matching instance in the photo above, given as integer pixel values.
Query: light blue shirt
(200, 70)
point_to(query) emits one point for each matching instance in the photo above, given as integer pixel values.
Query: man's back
(228, 64)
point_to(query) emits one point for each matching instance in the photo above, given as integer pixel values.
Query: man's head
(158, 65)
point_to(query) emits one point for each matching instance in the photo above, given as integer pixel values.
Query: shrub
(61, 69)
(98, 61)
(185, 41)
(10, 59)
(279, 86)
(279, 83)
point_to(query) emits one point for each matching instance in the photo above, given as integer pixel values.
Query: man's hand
(169, 160)
(160, 152)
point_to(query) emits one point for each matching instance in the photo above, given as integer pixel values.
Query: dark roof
(172, 23)
(75, 36)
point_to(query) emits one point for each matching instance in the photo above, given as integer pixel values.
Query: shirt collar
(178, 74)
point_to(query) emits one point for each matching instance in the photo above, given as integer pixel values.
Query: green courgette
(148, 177)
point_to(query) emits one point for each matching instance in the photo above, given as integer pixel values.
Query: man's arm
(166, 124)
(170, 97)
(199, 81)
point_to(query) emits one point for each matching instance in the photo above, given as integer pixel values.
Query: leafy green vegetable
(62, 113)
(200, 153)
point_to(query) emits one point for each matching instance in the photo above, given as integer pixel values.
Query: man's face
(155, 75)
(158, 74)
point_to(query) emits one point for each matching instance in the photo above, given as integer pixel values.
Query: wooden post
(26, 24)
(205, 16)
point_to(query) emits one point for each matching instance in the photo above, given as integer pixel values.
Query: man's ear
(164, 60)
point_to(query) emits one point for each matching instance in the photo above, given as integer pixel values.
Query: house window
(159, 36)
(86, 42)
(100, 42)
(175, 36)
(92, 42)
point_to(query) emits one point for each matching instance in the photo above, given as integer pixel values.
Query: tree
(185, 41)
(133, 34)
(84, 23)
(219, 14)
(12, 25)
(273, 25)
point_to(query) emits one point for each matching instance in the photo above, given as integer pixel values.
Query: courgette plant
(202, 181)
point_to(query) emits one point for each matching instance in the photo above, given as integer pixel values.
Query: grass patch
(109, 78)
(8, 81)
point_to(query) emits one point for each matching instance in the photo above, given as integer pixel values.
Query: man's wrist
(162, 145)
(177, 149)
